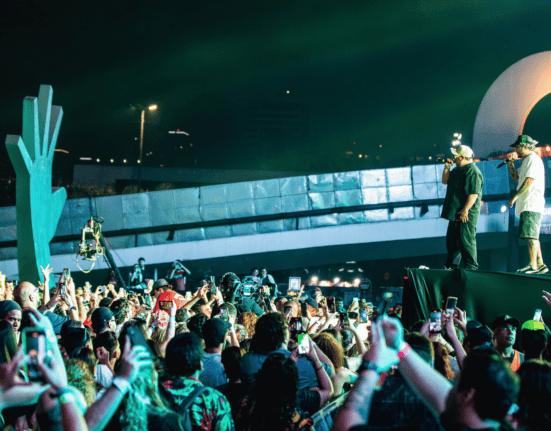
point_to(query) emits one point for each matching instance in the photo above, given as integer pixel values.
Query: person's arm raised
(432, 386)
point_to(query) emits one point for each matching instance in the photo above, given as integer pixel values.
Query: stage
(483, 294)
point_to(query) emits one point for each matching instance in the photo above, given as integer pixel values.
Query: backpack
(184, 408)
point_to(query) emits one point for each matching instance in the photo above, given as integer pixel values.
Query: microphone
(441, 160)
(503, 163)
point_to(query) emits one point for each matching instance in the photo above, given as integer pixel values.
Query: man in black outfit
(462, 206)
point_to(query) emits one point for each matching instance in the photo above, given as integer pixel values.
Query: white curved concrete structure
(508, 102)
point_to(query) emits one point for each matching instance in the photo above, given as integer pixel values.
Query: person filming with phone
(462, 207)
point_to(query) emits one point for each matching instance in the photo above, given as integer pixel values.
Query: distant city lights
(124, 161)
(98, 160)
(288, 91)
(112, 160)
(457, 139)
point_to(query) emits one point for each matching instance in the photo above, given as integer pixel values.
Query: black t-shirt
(308, 400)
(463, 182)
(56, 320)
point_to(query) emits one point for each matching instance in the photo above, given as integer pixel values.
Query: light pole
(142, 122)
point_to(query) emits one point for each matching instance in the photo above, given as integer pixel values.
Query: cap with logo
(525, 141)
(463, 151)
(505, 320)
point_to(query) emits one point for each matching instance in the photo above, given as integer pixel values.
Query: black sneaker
(542, 269)
(528, 270)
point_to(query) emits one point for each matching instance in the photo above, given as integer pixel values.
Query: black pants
(461, 238)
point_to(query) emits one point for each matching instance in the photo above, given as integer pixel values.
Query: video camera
(90, 251)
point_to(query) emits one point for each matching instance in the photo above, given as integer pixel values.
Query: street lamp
(142, 122)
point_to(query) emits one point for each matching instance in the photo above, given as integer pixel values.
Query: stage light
(98, 160)
(336, 280)
(124, 161)
(314, 279)
(139, 161)
(288, 91)
(503, 208)
(547, 148)
(112, 160)
(357, 281)
(152, 107)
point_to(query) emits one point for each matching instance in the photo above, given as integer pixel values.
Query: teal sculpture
(38, 209)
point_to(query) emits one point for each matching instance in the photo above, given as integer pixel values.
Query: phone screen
(451, 303)
(303, 344)
(102, 288)
(136, 338)
(331, 304)
(296, 326)
(165, 305)
(294, 284)
(224, 314)
(435, 325)
(35, 346)
(363, 315)
(345, 321)
(537, 315)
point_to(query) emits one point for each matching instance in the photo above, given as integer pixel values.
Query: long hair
(248, 320)
(143, 398)
(534, 397)
(274, 393)
(8, 342)
(442, 361)
(332, 348)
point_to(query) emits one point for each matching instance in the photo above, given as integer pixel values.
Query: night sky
(402, 74)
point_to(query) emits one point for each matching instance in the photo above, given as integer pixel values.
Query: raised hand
(38, 210)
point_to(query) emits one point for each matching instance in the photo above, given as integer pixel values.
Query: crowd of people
(227, 358)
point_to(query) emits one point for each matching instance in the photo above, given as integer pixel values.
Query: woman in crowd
(272, 402)
(442, 360)
(333, 350)
(8, 342)
(248, 320)
(10, 311)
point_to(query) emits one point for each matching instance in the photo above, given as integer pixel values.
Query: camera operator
(233, 290)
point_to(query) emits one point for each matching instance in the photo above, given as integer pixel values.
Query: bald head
(26, 295)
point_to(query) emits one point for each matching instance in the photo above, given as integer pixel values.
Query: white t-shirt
(104, 375)
(533, 198)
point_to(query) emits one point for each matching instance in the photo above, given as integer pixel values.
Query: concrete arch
(506, 105)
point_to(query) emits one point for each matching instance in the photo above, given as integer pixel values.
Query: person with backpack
(202, 408)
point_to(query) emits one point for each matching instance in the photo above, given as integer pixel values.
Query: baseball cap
(464, 151)
(533, 325)
(100, 317)
(525, 141)
(505, 320)
(214, 331)
(161, 282)
(312, 303)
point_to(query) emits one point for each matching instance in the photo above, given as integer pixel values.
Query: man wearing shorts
(529, 200)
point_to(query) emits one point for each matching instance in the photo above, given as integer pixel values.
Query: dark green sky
(406, 74)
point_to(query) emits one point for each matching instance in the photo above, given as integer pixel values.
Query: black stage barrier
(483, 294)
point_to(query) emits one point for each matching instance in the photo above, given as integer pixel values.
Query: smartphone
(137, 339)
(35, 346)
(67, 273)
(352, 315)
(451, 303)
(363, 315)
(63, 292)
(331, 304)
(537, 315)
(165, 305)
(294, 284)
(303, 344)
(102, 288)
(212, 279)
(435, 325)
(86, 284)
(384, 304)
(344, 319)
(304, 309)
(296, 326)
(224, 314)
(213, 289)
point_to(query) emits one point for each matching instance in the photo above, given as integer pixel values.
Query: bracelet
(405, 348)
(121, 384)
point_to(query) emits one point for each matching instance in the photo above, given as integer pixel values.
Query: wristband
(405, 348)
(121, 384)
(61, 392)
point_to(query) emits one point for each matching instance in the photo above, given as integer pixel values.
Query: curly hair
(195, 324)
(273, 408)
(248, 320)
(80, 377)
(534, 396)
(270, 332)
(442, 361)
(332, 348)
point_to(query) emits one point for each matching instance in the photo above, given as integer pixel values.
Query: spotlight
(503, 208)
(336, 280)
(357, 282)
(314, 279)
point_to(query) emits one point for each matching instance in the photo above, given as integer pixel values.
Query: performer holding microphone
(462, 207)
(529, 200)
